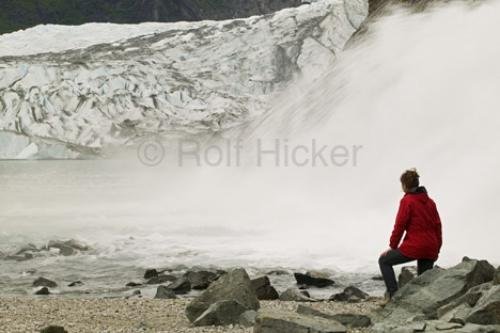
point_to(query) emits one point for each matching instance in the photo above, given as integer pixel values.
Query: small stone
(295, 295)
(314, 279)
(43, 291)
(133, 284)
(43, 282)
(350, 294)
(76, 284)
(53, 329)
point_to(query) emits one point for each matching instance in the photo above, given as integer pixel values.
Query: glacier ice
(194, 77)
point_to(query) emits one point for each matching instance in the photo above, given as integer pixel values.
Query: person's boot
(387, 299)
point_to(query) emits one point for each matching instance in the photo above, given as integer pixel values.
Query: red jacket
(418, 216)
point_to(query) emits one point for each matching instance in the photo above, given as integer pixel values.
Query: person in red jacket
(419, 219)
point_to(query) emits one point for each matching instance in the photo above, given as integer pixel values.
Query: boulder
(295, 295)
(162, 278)
(76, 284)
(235, 286)
(221, 313)
(346, 319)
(496, 279)
(53, 329)
(42, 291)
(43, 282)
(290, 322)
(313, 279)
(263, 289)
(407, 274)
(428, 292)
(201, 279)
(180, 286)
(163, 292)
(350, 294)
(487, 309)
(150, 273)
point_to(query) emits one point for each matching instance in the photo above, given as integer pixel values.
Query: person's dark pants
(394, 257)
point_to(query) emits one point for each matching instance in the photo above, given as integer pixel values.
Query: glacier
(72, 92)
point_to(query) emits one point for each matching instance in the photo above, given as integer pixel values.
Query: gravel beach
(25, 315)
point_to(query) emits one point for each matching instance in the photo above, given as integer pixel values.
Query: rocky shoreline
(462, 298)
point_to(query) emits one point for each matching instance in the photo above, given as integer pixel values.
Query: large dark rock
(221, 313)
(350, 294)
(150, 273)
(428, 292)
(43, 282)
(496, 280)
(294, 294)
(347, 319)
(163, 292)
(53, 329)
(263, 289)
(180, 286)
(235, 286)
(290, 322)
(201, 279)
(407, 274)
(313, 279)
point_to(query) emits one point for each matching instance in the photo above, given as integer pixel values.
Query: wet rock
(221, 313)
(133, 284)
(180, 286)
(313, 279)
(487, 309)
(350, 294)
(67, 248)
(76, 284)
(235, 286)
(150, 273)
(43, 282)
(163, 292)
(407, 274)
(53, 329)
(201, 279)
(346, 319)
(42, 291)
(295, 295)
(21, 257)
(263, 289)
(162, 278)
(291, 322)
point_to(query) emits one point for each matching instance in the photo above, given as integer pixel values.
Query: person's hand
(385, 252)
